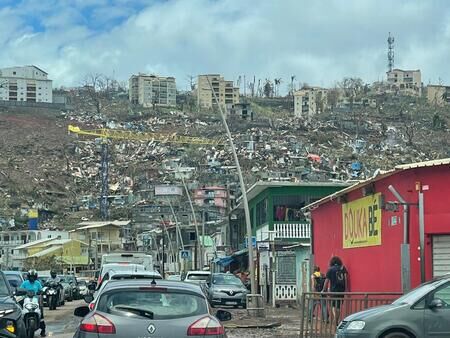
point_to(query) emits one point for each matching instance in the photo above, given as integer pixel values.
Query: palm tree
(277, 86)
(292, 85)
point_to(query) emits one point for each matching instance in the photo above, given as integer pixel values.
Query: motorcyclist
(32, 284)
(54, 278)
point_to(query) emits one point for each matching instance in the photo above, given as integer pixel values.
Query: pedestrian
(316, 285)
(336, 282)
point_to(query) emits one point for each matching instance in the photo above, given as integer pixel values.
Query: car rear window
(162, 304)
(121, 277)
(197, 277)
(14, 280)
(226, 280)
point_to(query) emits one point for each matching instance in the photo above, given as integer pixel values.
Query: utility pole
(197, 233)
(251, 264)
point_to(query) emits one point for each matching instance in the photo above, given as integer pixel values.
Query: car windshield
(416, 294)
(14, 280)
(197, 277)
(82, 283)
(157, 304)
(3, 287)
(226, 280)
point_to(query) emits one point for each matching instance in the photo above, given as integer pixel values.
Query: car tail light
(91, 306)
(97, 324)
(206, 326)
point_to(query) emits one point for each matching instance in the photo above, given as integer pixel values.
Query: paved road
(62, 323)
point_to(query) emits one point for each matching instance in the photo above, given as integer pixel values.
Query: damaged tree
(99, 88)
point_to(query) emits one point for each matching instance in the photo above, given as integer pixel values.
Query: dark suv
(11, 320)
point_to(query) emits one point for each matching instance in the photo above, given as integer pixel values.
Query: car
(140, 308)
(15, 278)
(174, 277)
(67, 287)
(226, 289)
(82, 288)
(71, 279)
(114, 276)
(11, 320)
(197, 277)
(422, 312)
(107, 269)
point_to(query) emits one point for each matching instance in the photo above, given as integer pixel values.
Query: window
(261, 212)
(152, 304)
(443, 294)
(192, 236)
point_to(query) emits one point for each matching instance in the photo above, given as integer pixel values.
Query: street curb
(269, 325)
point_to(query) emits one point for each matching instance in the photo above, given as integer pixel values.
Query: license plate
(230, 303)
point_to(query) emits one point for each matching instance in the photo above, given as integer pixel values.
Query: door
(437, 320)
(441, 255)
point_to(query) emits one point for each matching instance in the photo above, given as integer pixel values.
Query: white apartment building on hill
(26, 84)
(149, 90)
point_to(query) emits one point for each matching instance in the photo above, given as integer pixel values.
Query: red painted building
(357, 224)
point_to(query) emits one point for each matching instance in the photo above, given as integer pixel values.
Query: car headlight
(356, 325)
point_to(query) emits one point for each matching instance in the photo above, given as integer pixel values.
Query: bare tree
(277, 86)
(99, 88)
(333, 98)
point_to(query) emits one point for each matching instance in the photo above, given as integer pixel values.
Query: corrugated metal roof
(47, 251)
(381, 175)
(39, 241)
(91, 225)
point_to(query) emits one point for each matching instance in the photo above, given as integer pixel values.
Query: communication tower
(390, 55)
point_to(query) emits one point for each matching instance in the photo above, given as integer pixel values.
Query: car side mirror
(20, 292)
(436, 304)
(88, 298)
(81, 311)
(223, 315)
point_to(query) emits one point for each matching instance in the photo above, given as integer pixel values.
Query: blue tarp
(224, 261)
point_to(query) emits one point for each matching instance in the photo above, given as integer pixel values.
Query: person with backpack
(336, 281)
(316, 285)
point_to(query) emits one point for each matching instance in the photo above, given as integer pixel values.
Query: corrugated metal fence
(317, 318)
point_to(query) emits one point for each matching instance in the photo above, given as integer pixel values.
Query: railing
(317, 317)
(292, 230)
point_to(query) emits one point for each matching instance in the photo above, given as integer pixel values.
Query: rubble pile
(43, 165)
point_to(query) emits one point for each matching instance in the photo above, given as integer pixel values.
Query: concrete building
(214, 196)
(28, 83)
(101, 237)
(225, 91)
(11, 239)
(149, 90)
(408, 82)
(438, 95)
(309, 101)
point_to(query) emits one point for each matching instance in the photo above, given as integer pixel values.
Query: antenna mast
(390, 55)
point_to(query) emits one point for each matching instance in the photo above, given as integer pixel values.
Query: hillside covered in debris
(43, 166)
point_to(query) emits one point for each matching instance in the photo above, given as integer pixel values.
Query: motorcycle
(51, 295)
(31, 313)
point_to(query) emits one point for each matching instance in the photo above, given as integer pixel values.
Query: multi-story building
(215, 196)
(309, 101)
(149, 90)
(11, 239)
(225, 91)
(101, 237)
(406, 81)
(28, 84)
(438, 95)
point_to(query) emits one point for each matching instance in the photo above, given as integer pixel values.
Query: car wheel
(397, 334)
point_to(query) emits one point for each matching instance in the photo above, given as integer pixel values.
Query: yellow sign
(33, 213)
(361, 221)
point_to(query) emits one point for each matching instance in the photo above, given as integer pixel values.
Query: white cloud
(319, 42)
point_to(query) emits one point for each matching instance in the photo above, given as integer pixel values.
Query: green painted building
(282, 233)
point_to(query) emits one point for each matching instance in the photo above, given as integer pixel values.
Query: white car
(197, 277)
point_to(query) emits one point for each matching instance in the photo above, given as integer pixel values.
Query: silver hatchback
(144, 308)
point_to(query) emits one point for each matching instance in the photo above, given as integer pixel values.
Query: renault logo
(231, 292)
(151, 329)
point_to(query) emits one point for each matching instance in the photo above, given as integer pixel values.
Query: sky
(318, 42)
